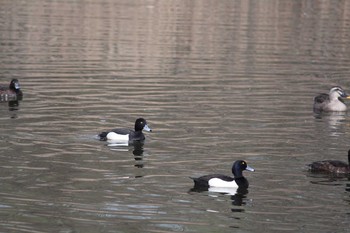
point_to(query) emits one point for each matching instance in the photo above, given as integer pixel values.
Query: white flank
(111, 136)
(216, 182)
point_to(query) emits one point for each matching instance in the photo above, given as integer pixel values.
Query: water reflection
(237, 195)
(239, 200)
(333, 119)
(330, 179)
(347, 186)
(335, 181)
(13, 105)
(135, 146)
(13, 108)
(138, 154)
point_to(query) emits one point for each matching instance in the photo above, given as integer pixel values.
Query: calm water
(217, 81)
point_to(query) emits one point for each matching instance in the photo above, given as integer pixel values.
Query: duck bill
(249, 169)
(146, 128)
(345, 95)
(17, 87)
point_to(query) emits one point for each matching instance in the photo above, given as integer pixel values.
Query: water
(217, 81)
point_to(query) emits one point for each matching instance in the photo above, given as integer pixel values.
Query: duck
(223, 181)
(331, 102)
(12, 91)
(331, 166)
(126, 135)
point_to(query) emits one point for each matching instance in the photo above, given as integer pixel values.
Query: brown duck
(331, 166)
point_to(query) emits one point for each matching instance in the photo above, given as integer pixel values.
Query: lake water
(217, 81)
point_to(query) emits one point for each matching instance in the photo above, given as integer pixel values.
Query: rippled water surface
(217, 81)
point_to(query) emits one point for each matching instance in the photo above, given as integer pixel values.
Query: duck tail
(103, 136)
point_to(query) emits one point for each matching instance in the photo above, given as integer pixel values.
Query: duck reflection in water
(348, 187)
(238, 196)
(333, 119)
(137, 151)
(330, 179)
(138, 154)
(13, 106)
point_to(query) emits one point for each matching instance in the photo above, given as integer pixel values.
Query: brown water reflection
(217, 80)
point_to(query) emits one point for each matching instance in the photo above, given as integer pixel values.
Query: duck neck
(333, 95)
(139, 135)
(341, 100)
(242, 182)
(237, 174)
(138, 132)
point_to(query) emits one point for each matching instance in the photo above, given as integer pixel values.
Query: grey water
(217, 81)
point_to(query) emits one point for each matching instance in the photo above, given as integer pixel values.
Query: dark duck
(13, 91)
(223, 181)
(127, 135)
(331, 166)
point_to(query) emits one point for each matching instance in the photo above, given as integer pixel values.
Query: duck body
(126, 135)
(332, 102)
(223, 181)
(11, 92)
(220, 181)
(122, 135)
(331, 166)
(216, 180)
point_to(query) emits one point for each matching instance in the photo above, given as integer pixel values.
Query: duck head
(141, 124)
(239, 166)
(14, 85)
(338, 92)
